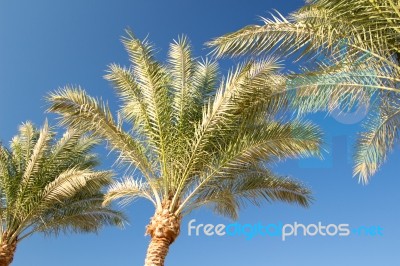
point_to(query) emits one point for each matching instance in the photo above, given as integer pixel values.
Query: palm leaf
(379, 139)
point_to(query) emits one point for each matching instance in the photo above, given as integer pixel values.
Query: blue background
(48, 44)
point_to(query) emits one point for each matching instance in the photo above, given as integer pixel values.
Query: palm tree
(358, 42)
(50, 186)
(196, 141)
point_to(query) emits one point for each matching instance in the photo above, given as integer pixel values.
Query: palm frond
(374, 145)
(228, 196)
(73, 181)
(154, 83)
(181, 72)
(128, 189)
(255, 145)
(39, 149)
(78, 215)
(81, 111)
(133, 106)
(276, 35)
(205, 78)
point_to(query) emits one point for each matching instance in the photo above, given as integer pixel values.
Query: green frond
(327, 91)
(267, 142)
(219, 115)
(67, 142)
(222, 203)
(276, 35)
(244, 86)
(8, 185)
(154, 84)
(22, 144)
(73, 181)
(128, 189)
(133, 107)
(181, 68)
(257, 185)
(205, 78)
(316, 27)
(78, 215)
(39, 149)
(374, 145)
(244, 97)
(255, 145)
(81, 111)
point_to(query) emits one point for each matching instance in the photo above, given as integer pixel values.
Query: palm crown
(50, 186)
(355, 47)
(196, 140)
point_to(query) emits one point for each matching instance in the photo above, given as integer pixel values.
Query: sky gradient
(45, 45)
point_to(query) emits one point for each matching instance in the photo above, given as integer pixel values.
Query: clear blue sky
(48, 44)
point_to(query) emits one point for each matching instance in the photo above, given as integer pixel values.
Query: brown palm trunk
(7, 250)
(157, 251)
(163, 229)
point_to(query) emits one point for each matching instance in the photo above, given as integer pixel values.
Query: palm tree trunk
(163, 229)
(7, 250)
(157, 251)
